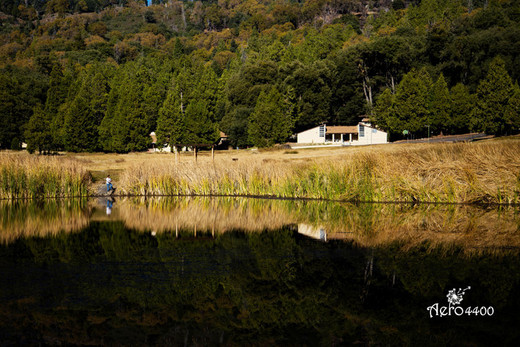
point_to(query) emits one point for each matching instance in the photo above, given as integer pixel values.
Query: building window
(361, 131)
(322, 130)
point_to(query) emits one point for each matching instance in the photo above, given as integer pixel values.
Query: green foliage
(312, 88)
(411, 102)
(38, 131)
(440, 107)
(384, 112)
(87, 109)
(136, 95)
(57, 94)
(493, 95)
(226, 55)
(199, 128)
(271, 120)
(170, 124)
(20, 91)
(235, 125)
(512, 114)
(462, 103)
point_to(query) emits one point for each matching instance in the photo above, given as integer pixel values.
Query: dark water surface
(263, 272)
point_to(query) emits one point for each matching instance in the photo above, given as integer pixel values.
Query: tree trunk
(183, 15)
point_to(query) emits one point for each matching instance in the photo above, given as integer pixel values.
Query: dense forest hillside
(100, 75)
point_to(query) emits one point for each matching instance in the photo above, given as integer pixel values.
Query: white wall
(372, 136)
(310, 136)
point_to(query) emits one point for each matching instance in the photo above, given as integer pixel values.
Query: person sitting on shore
(109, 184)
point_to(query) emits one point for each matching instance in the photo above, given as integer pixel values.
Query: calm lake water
(211, 271)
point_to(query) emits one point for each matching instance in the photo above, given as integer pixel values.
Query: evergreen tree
(9, 128)
(38, 131)
(133, 105)
(154, 94)
(57, 95)
(199, 127)
(462, 103)
(493, 95)
(20, 91)
(129, 128)
(384, 112)
(170, 124)
(512, 114)
(87, 109)
(440, 107)
(222, 103)
(271, 120)
(312, 88)
(347, 100)
(207, 90)
(107, 127)
(235, 124)
(411, 103)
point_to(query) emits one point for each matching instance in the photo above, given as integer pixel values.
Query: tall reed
(29, 176)
(448, 173)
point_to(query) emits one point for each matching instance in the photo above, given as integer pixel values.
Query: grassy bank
(486, 172)
(448, 173)
(24, 176)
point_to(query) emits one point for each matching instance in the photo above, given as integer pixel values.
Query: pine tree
(384, 111)
(235, 124)
(207, 90)
(56, 96)
(199, 129)
(133, 106)
(440, 107)
(311, 85)
(130, 131)
(512, 114)
(411, 102)
(170, 125)
(493, 95)
(222, 103)
(38, 131)
(271, 120)
(462, 104)
(87, 110)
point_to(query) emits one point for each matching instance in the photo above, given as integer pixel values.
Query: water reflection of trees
(470, 228)
(112, 285)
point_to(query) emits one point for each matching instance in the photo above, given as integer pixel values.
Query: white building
(361, 134)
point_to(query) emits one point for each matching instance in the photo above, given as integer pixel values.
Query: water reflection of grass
(450, 227)
(203, 214)
(464, 227)
(25, 219)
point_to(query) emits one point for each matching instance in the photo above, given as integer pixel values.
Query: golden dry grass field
(477, 172)
(101, 164)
